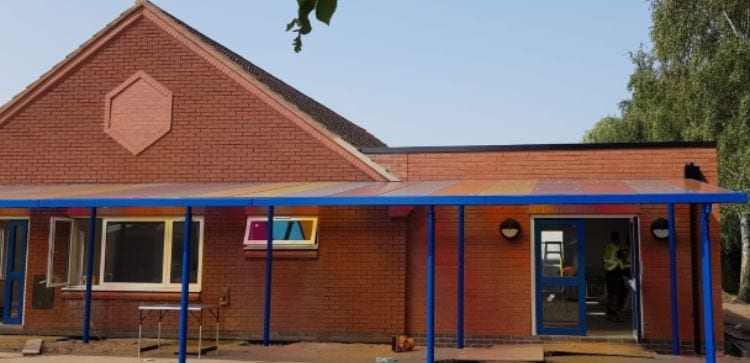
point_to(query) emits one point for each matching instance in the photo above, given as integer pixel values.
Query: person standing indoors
(614, 265)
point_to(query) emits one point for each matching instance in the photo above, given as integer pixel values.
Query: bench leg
(140, 333)
(200, 339)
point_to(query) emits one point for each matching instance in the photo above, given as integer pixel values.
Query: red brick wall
(498, 275)
(354, 289)
(219, 131)
(611, 164)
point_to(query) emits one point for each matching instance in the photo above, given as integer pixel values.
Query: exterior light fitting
(660, 228)
(510, 229)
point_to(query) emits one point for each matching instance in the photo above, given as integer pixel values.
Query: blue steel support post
(430, 319)
(184, 294)
(267, 296)
(460, 293)
(708, 299)
(89, 275)
(673, 281)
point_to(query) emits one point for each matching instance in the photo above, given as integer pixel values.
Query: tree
(301, 25)
(694, 85)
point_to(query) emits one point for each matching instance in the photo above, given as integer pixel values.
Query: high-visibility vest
(611, 261)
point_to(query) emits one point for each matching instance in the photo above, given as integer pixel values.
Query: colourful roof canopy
(443, 192)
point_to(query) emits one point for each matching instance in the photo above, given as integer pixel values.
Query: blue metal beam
(185, 293)
(380, 200)
(430, 319)
(460, 292)
(708, 300)
(673, 281)
(89, 275)
(267, 296)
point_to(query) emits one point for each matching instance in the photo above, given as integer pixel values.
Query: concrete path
(400, 359)
(332, 353)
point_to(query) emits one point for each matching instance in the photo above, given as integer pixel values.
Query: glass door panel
(560, 291)
(15, 272)
(560, 307)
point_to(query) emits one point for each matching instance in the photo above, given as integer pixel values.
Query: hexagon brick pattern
(138, 112)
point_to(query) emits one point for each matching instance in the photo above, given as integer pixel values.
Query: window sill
(282, 254)
(129, 295)
(133, 287)
(280, 247)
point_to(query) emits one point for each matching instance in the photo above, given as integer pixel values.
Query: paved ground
(735, 313)
(124, 351)
(319, 352)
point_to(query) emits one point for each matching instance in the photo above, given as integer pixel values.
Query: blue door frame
(15, 271)
(578, 281)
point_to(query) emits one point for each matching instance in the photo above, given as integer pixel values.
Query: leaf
(324, 10)
(291, 24)
(303, 16)
(297, 43)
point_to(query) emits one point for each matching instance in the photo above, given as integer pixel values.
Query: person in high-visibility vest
(614, 265)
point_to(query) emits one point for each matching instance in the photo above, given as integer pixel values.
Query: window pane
(135, 252)
(14, 309)
(177, 239)
(60, 251)
(559, 249)
(291, 230)
(18, 258)
(283, 230)
(79, 251)
(560, 307)
(3, 238)
(258, 231)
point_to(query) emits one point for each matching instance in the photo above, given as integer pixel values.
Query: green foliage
(611, 129)
(301, 25)
(694, 85)
(731, 257)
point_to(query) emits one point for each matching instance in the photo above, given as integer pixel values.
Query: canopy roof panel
(442, 192)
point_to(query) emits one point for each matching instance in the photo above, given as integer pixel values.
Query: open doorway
(598, 233)
(575, 295)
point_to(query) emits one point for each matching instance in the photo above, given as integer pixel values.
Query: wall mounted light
(660, 228)
(510, 229)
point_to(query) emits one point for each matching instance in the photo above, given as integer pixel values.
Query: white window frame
(308, 244)
(77, 260)
(51, 251)
(165, 285)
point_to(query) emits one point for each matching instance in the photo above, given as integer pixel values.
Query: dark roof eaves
(534, 147)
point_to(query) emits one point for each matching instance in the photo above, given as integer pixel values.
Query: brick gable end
(220, 132)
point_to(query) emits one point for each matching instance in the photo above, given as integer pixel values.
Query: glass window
(134, 252)
(288, 232)
(177, 239)
(79, 251)
(58, 262)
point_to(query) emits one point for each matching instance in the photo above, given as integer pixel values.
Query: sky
(413, 73)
